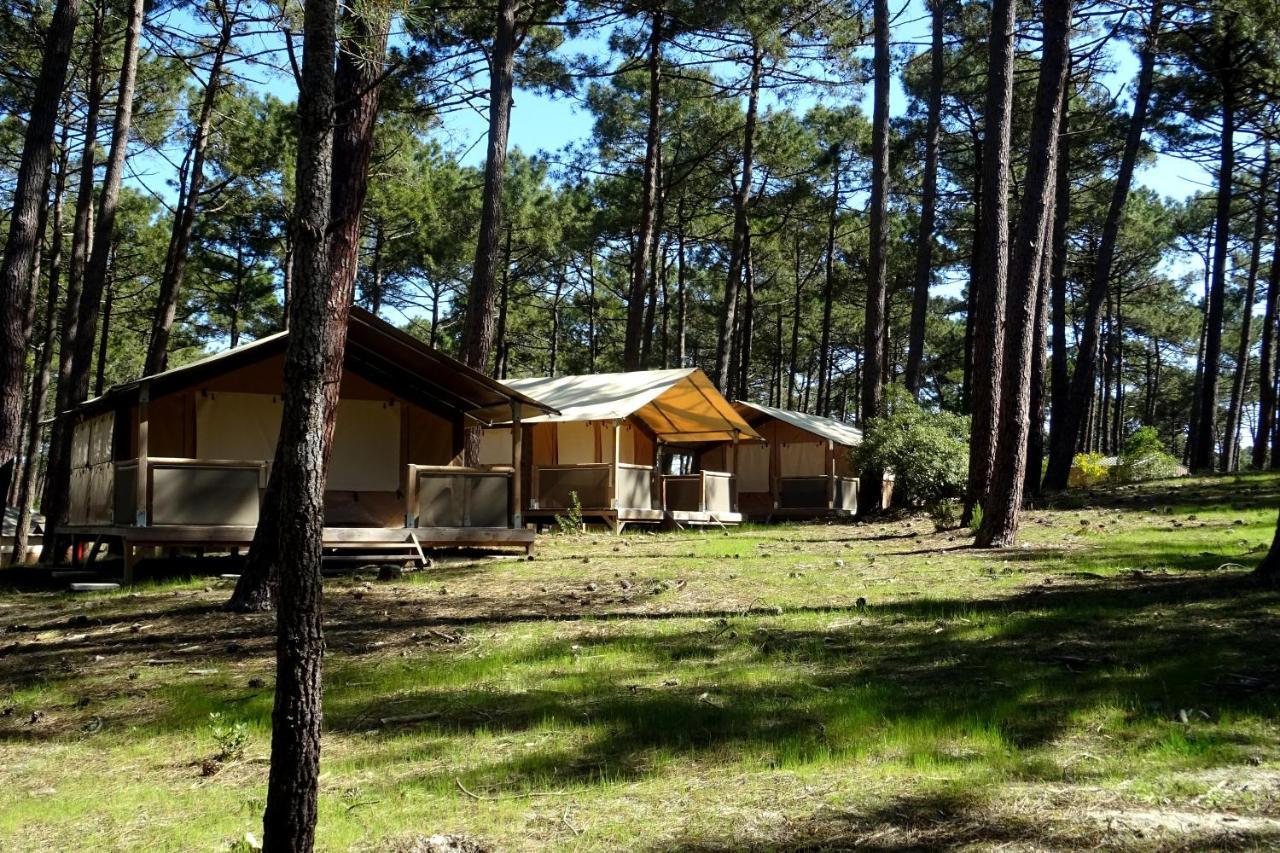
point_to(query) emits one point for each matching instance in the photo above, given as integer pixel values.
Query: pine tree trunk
(728, 317)
(1268, 571)
(1039, 350)
(356, 95)
(315, 348)
(874, 339)
(104, 339)
(1063, 440)
(1267, 363)
(1207, 412)
(189, 204)
(55, 500)
(1231, 449)
(23, 244)
(478, 330)
(829, 276)
(1003, 507)
(928, 201)
(988, 289)
(1060, 372)
(648, 203)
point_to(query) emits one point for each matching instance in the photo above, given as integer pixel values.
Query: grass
(1112, 681)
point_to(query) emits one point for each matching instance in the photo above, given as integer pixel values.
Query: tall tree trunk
(56, 493)
(928, 201)
(874, 339)
(728, 318)
(104, 339)
(1060, 372)
(478, 330)
(682, 303)
(748, 324)
(313, 352)
(354, 97)
(793, 360)
(1003, 507)
(1207, 414)
(1231, 454)
(636, 328)
(44, 358)
(829, 276)
(23, 245)
(1040, 346)
(989, 289)
(975, 265)
(1063, 440)
(1268, 571)
(184, 217)
(1267, 363)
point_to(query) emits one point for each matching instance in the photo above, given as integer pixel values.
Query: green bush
(1145, 458)
(927, 451)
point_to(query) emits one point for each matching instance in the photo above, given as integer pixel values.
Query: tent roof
(837, 431)
(376, 350)
(679, 406)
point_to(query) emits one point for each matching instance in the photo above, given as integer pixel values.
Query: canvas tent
(182, 457)
(804, 470)
(606, 440)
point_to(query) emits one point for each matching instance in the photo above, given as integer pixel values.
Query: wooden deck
(615, 519)
(413, 540)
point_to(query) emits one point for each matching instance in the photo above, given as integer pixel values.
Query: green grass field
(1112, 682)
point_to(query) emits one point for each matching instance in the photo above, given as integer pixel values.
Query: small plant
(571, 521)
(1145, 458)
(945, 513)
(976, 521)
(1087, 470)
(230, 737)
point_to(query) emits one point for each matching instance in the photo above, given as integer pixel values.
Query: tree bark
(357, 97)
(315, 349)
(635, 330)
(1207, 413)
(478, 330)
(1231, 449)
(728, 318)
(1267, 364)
(44, 358)
(928, 201)
(56, 496)
(1268, 571)
(874, 339)
(1002, 510)
(989, 289)
(1063, 440)
(1059, 370)
(829, 276)
(23, 244)
(188, 205)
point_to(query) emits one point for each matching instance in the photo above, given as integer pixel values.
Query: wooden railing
(705, 491)
(453, 496)
(598, 485)
(818, 492)
(188, 491)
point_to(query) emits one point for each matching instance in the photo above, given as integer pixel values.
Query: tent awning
(832, 430)
(678, 406)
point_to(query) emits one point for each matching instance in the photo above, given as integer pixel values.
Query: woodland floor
(1113, 682)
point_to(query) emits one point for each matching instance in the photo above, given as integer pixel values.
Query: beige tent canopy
(677, 406)
(840, 432)
(602, 447)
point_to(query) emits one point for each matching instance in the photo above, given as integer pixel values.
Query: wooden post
(517, 466)
(613, 464)
(733, 483)
(411, 495)
(143, 490)
(775, 468)
(831, 474)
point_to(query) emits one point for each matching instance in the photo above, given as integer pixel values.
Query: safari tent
(804, 470)
(625, 444)
(181, 458)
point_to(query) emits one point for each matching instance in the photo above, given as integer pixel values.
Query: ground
(1112, 682)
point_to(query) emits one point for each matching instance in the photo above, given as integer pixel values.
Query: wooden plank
(514, 492)
(143, 485)
(222, 534)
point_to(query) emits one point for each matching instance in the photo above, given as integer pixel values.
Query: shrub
(1145, 458)
(571, 521)
(945, 513)
(1087, 469)
(927, 451)
(230, 737)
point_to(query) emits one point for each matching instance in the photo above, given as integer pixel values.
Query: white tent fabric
(677, 405)
(837, 431)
